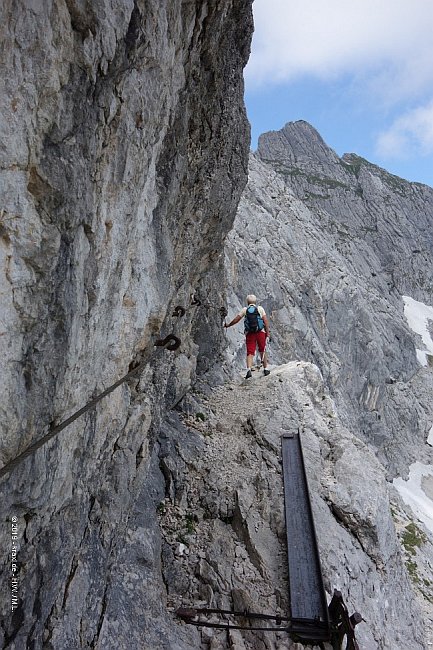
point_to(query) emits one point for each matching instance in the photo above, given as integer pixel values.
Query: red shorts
(254, 339)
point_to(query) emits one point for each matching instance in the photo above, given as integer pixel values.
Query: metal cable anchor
(195, 301)
(165, 343)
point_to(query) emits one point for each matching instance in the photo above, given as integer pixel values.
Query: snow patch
(412, 493)
(430, 437)
(418, 316)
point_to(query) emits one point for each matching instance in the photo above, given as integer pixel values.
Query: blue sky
(360, 71)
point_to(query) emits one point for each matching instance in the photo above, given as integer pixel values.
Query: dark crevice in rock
(101, 617)
(346, 520)
(82, 19)
(168, 478)
(17, 620)
(134, 29)
(69, 580)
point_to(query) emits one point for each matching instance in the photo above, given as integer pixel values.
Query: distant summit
(297, 144)
(299, 150)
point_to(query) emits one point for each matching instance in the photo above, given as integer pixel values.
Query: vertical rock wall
(123, 152)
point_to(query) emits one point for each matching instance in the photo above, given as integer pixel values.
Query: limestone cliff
(123, 157)
(123, 154)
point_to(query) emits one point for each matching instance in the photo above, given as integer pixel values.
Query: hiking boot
(248, 375)
(266, 372)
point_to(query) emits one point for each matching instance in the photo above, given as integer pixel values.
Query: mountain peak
(297, 144)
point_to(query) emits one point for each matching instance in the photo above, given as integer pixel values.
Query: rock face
(347, 241)
(331, 247)
(123, 155)
(223, 517)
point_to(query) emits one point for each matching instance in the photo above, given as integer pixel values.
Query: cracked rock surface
(330, 246)
(123, 154)
(223, 516)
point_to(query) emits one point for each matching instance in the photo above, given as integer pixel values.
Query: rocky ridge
(330, 246)
(344, 258)
(223, 518)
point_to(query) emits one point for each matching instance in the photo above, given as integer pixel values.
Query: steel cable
(170, 342)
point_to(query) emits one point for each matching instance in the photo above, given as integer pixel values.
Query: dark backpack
(253, 321)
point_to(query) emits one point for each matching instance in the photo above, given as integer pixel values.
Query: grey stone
(330, 246)
(332, 281)
(123, 154)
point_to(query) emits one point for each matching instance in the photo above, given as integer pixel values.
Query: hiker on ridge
(256, 332)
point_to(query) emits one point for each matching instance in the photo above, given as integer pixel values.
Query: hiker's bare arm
(266, 322)
(235, 320)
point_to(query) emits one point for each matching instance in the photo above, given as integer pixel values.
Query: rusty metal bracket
(165, 343)
(342, 625)
(179, 311)
(195, 301)
(188, 613)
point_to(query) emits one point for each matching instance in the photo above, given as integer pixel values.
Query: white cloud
(411, 132)
(327, 38)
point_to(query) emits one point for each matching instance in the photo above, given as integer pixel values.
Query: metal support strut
(341, 624)
(311, 620)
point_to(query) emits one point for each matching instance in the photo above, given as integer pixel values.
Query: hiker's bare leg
(265, 360)
(250, 359)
